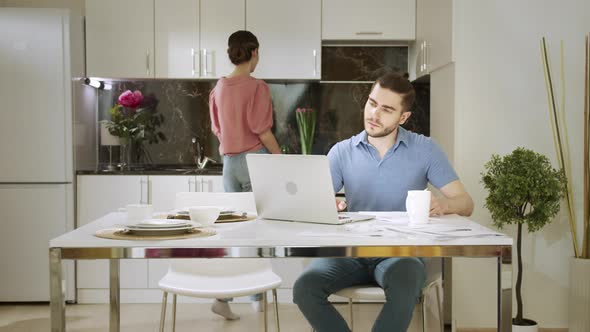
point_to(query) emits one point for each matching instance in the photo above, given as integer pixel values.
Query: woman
(240, 107)
(241, 113)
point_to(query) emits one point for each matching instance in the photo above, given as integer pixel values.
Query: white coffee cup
(418, 206)
(204, 215)
(138, 212)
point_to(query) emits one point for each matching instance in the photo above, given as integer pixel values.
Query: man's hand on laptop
(340, 205)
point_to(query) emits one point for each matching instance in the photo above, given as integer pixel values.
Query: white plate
(176, 228)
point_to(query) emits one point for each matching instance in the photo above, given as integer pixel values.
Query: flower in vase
(131, 99)
(134, 118)
(306, 119)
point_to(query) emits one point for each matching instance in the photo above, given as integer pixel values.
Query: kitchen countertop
(160, 170)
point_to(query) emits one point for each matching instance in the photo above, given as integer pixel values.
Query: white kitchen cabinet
(120, 38)
(176, 38)
(163, 189)
(289, 33)
(434, 37)
(368, 20)
(98, 195)
(215, 31)
(209, 183)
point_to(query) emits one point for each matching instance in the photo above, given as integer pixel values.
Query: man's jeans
(402, 280)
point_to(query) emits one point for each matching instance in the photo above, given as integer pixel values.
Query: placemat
(121, 234)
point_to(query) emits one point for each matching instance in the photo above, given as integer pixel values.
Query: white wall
(501, 103)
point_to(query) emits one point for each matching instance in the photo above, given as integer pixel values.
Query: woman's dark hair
(399, 84)
(241, 44)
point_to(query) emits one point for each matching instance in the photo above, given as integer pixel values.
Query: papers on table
(395, 224)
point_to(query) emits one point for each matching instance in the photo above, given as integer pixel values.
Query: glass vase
(126, 155)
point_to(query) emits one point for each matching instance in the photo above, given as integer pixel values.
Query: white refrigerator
(40, 51)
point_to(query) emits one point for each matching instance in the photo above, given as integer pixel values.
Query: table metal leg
(505, 291)
(115, 304)
(57, 304)
(447, 293)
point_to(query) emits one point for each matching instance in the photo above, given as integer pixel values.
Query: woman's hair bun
(241, 44)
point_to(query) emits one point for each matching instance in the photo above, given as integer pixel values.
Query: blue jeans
(236, 177)
(402, 280)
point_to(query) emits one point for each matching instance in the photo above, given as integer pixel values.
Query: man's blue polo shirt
(375, 184)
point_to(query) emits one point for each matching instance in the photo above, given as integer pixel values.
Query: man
(378, 167)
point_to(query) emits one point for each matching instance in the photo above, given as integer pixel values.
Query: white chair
(218, 278)
(375, 293)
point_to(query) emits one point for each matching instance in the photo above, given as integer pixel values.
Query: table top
(389, 230)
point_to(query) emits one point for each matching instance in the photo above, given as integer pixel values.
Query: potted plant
(524, 189)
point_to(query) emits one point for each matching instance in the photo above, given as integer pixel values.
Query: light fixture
(97, 84)
(93, 82)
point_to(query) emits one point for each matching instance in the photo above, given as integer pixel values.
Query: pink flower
(131, 99)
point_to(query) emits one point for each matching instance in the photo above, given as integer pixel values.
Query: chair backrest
(243, 201)
(239, 201)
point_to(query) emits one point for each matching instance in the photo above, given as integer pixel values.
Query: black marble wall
(184, 104)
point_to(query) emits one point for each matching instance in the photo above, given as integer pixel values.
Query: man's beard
(384, 132)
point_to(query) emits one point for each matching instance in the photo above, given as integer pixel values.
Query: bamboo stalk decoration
(586, 239)
(561, 145)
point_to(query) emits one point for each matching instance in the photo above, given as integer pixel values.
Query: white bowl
(205, 215)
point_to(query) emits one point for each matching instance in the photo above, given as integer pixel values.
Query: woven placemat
(122, 234)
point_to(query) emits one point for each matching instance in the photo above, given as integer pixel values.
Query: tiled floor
(190, 317)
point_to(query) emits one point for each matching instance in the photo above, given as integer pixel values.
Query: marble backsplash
(184, 105)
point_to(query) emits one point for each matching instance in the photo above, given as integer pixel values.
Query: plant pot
(579, 295)
(526, 328)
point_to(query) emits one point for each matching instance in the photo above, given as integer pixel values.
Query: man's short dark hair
(399, 84)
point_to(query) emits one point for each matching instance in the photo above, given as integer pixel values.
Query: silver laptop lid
(293, 187)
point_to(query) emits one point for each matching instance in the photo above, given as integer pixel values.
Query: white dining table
(387, 236)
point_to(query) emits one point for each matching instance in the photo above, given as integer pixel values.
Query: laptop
(296, 188)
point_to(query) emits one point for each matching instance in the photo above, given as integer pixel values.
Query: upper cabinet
(434, 36)
(368, 20)
(289, 33)
(120, 38)
(191, 36)
(177, 38)
(161, 38)
(188, 38)
(219, 19)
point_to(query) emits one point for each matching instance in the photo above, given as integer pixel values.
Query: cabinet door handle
(315, 63)
(369, 33)
(205, 71)
(193, 72)
(423, 57)
(149, 192)
(427, 56)
(191, 183)
(147, 62)
(141, 182)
